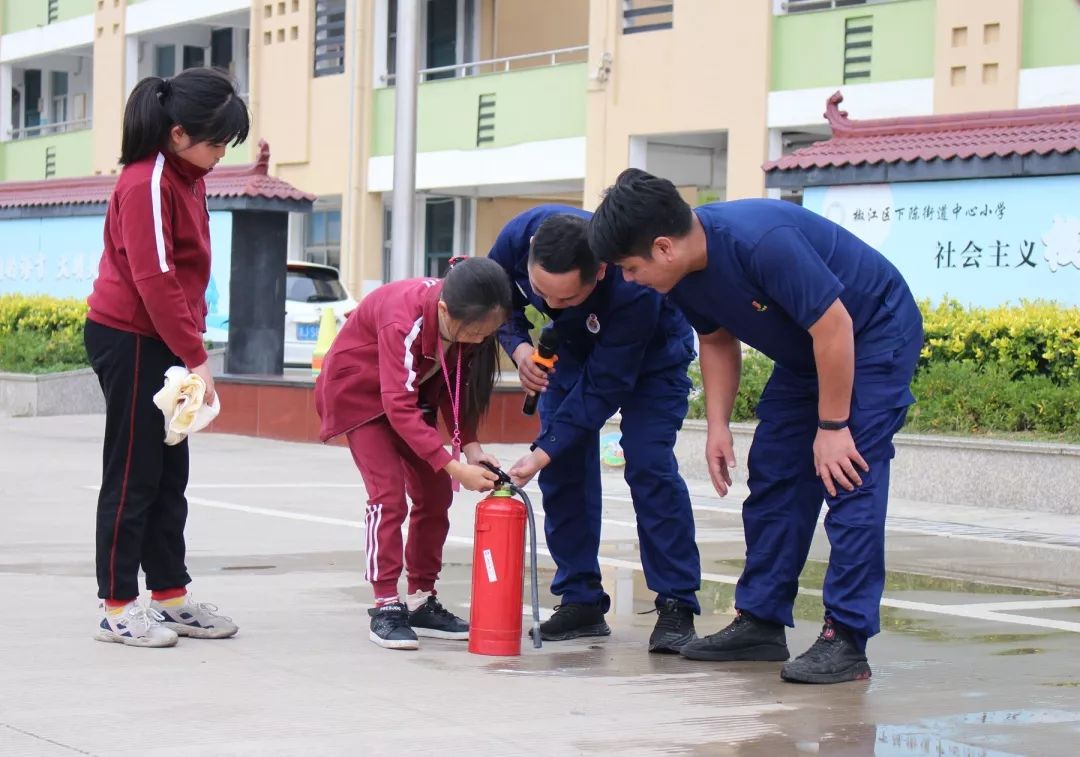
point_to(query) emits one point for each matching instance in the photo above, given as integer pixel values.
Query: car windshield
(314, 285)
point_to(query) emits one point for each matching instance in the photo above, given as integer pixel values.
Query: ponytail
(203, 101)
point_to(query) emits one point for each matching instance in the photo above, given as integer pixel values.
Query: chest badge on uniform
(592, 323)
(758, 306)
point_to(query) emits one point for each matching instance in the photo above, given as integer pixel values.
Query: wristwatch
(832, 425)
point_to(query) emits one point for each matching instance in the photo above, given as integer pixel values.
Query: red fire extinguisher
(498, 565)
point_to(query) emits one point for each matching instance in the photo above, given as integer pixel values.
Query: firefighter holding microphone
(619, 347)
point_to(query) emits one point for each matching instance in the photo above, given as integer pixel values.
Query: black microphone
(545, 357)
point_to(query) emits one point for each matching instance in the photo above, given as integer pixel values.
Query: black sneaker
(434, 620)
(573, 620)
(745, 639)
(674, 627)
(833, 658)
(390, 627)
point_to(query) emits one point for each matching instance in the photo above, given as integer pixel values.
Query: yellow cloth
(181, 401)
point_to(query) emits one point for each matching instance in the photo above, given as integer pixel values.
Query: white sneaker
(136, 626)
(198, 620)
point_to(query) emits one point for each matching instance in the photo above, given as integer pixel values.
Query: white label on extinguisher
(490, 565)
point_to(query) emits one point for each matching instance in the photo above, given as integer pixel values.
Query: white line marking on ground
(1033, 604)
(969, 612)
(289, 485)
(275, 513)
(939, 531)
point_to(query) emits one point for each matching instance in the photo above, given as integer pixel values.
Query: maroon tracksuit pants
(391, 470)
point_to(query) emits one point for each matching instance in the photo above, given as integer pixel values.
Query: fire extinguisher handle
(504, 479)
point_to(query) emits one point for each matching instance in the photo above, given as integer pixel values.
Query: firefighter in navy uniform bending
(621, 347)
(840, 323)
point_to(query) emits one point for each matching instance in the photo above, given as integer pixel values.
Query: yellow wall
(362, 212)
(324, 134)
(977, 55)
(492, 213)
(708, 73)
(281, 78)
(108, 98)
(517, 27)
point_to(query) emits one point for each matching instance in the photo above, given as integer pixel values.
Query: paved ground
(979, 656)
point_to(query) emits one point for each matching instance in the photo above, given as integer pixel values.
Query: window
(329, 37)
(442, 27)
(438, 235)
(221, 49)
(58, 108)
(647, 16)
(31, 114)
(391, 38)
(322, 242)
(313, 285)
(387, 244)
(447, 37)
(443, 228)
(194, 57)
(858, 44)
(165, 60)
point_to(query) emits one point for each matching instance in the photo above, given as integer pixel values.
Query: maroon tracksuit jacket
(156, 264)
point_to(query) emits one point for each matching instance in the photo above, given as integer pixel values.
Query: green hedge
(983, 371)
(41, 334)
(1035, 339)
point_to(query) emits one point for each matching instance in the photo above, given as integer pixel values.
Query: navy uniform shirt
(773, 270)
(636, 333)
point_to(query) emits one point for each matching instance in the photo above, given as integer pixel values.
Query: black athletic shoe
(833, 658)
(434, 620)
(674, 627)
(745, 639)
(390, 627)
(573, 620)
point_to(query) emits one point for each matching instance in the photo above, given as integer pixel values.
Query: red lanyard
(455, 402)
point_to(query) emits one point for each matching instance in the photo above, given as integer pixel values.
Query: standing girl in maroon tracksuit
(148, 313)
(411, 347)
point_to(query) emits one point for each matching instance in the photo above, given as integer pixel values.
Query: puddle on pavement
(1018, 651)
(813, 576)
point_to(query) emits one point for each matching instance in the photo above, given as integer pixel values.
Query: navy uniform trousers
(570, 485)
(781, 513)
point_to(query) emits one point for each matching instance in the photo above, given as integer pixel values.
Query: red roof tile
(924, 138)
(228, 181)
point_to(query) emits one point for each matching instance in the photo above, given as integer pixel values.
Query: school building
(520, 101)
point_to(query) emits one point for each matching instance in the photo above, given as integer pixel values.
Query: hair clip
(457, 259)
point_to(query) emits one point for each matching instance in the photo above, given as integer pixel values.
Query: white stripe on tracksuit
(409, 339)
(155, 203)
(373, 519)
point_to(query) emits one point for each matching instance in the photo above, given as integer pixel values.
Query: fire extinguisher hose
(535, 585)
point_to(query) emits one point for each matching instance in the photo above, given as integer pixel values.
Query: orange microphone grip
(547, 363)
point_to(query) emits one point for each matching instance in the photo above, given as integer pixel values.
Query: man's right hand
(720, 456)
(533, 378)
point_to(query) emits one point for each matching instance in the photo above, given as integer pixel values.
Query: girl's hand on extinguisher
(528, 466)
(474, 455)
(473, 477)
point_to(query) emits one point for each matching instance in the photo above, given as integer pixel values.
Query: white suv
(309, 288)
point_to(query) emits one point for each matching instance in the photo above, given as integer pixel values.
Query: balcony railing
(43, 129)
(805, 6)
(502, 65)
